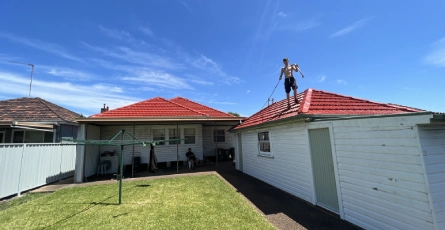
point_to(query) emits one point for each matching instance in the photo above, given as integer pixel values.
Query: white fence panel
(27, 166)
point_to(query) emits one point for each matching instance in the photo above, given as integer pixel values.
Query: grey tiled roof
(34, 109)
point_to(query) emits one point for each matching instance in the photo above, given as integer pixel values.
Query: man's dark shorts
(290, 82)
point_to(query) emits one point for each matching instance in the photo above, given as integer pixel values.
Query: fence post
(20, 171)
(61, 160)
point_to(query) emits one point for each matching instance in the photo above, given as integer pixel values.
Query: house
(200, 127)
(376, 165)
(35, 120)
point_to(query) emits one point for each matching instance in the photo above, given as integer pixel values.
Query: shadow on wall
(61, 176)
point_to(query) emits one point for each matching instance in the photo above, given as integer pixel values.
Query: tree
(234, 114)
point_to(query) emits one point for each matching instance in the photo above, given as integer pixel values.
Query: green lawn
(189, 202)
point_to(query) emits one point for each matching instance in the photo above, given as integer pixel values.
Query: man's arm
(297, 69)
(281, 74)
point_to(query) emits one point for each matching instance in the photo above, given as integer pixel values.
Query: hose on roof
(268, 99)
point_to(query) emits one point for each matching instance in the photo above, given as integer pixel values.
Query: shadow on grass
(90, 205)
(142, 185)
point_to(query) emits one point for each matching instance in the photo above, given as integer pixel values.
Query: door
(323, 169)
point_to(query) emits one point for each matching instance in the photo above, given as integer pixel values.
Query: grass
(193, 202)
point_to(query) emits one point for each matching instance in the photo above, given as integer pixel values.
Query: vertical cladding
(432, 140)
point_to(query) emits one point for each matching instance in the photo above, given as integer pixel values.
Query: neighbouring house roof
(317, 102)
(159, 107)
(34, 110)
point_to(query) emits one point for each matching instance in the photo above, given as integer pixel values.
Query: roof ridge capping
(409, 109)
(187, 107)
(306, 102)
(202, 105)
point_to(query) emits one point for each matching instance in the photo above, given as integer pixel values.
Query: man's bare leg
(295, 96)
(288, 102)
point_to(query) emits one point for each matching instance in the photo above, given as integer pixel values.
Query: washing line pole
(121, 167)
(177, 148)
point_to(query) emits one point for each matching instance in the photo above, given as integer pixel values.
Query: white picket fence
(27, 166)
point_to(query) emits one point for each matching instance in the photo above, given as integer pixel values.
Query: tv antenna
(32, 71)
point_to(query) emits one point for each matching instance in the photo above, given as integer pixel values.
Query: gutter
(315, 117)
(153, 119)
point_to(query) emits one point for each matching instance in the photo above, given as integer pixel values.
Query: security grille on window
(173, 134)
(159, 135)
(189, 135)
(219, 135)
(264, 142)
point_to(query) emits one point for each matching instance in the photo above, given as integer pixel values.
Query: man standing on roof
(289, 81)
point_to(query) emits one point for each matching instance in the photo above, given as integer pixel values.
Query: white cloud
(282, 14)
(108, 87)
(116, 34)
(146, 31)
(343, 82)
(299, 26)
(350, 28)
(158, 79)
(248, 91)
(212, 68)
(185, 5)
(67, 73)
(437, 56)
(84, 99)
(321, 78)
(47, 47)
(135, 57)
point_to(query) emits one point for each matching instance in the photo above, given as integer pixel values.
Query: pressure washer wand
(298, 68)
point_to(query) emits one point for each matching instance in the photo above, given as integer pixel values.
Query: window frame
(24, 136)
(165, 135)
(181, 134)
(2, 140)
(184, 136)
(216, 137)
(178, 136)
(262, 153)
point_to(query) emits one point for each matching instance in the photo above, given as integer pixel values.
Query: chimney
(104, 109)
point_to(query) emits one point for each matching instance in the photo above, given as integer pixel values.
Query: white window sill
(266, 156)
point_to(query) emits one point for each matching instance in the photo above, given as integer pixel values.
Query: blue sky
(224, 54)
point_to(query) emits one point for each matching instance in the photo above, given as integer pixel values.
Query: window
(173, 134)
(32, 137)
(219, 135)
(264, 143)
(2, 136)
(159, 135)
(18, 137)
(189, 135)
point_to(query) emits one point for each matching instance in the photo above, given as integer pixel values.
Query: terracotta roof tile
(319, 102)
(160, 107)
(34, 109)
(199, 107)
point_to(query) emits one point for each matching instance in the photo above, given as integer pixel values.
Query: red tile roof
(319, 102)
(160, 107)
(34, 109)
(201, 108)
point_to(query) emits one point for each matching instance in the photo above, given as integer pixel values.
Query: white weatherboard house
(200, 127)
(379, 166)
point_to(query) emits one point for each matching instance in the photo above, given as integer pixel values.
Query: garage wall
(289, 169)
(381, 175)
(432, 139)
